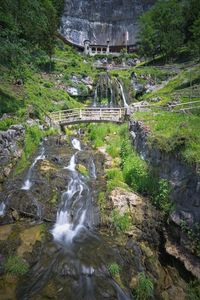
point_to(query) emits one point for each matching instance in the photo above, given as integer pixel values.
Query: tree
(161, 29)
(195, 43)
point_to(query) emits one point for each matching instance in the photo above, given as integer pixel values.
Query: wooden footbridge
(87, 115)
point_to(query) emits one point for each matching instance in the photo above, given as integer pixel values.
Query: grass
(32, 139)
(193, 290)
(174, 133)
(145, 287)
(16, 265)
(121, 222)
(128, 170)
(114, 269)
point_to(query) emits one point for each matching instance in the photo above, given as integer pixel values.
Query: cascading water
(76, 144)
(78, 258)
(94, 104)
(92, 169)
(28, 183)
(2, 208)
(68, 225)
(122, 93)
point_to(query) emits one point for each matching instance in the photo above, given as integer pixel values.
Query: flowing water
(28, 182)
(2, 208)
(77, 259)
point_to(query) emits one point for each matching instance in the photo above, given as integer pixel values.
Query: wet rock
(28, 238)
(15, 215)
(5, 231)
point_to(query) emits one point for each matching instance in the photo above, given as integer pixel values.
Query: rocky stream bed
(52, 221)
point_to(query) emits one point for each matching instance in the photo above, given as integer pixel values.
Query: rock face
(9, 148)
(102, 20)
(184, 179)
(185, 183)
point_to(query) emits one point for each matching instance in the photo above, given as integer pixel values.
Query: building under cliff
(102, 26)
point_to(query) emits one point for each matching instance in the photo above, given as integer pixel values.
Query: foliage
(145, 287)
(32, 140)
(193, 234)
(102, 202)
(16, 265)
(172, 132)
(193, 290)
(121, 222)
(114, 269)
(168, 25)
(26, 26)
(82, 169)
(6, 123)
(161, 199)
(115, 179)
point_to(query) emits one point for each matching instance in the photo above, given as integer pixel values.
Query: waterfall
(2, 209)
(70, 223)
(76, 144)
(93, 170)
(28, 183)
(95, 97)
(122, 93)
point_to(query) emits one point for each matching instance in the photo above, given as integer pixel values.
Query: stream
(77, 257)
(54, 223)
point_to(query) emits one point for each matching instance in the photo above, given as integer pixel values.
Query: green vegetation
(115, 179)
(145, 287)
(121, 222)
(82, 169)
(114, 269)
(27, 29)
(16, 265)
(168, 26)
(102, 202)
(128, 170)
(193, 291)
(32, 140)
(172, 132)
(193, 235)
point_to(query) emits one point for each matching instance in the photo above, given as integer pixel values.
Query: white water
(123, 95)
(2, 208)
(72, 164)
(93, 170)
(76, 144)
(28, 183)
(95, 97)
(68, 226)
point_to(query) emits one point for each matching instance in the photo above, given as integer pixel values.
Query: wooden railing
(78, 115)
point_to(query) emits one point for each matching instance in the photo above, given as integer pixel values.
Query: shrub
(115, 179)
(145, 287)
(16, 265)
(114, 269)
(121, 222)
(161, 199)
(102, 201)
(193, 290)
(6, 123)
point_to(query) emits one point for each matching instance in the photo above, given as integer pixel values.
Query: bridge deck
(78, 115)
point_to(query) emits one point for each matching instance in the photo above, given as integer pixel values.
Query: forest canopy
(27, 26)
(169, 26)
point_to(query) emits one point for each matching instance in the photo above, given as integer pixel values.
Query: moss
(16, 265)
(82, 169)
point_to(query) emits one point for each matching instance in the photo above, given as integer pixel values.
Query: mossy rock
(82, 169)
